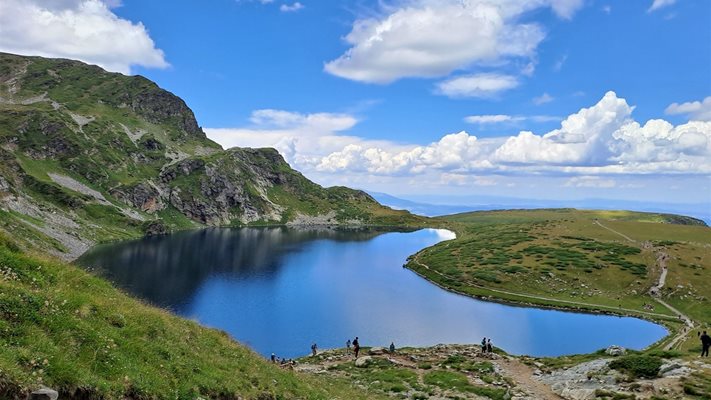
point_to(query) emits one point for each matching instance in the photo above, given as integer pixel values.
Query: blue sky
(423, 96)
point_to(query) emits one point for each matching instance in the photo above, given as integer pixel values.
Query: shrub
(638, 365)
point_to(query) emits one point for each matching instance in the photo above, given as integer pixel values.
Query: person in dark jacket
(356, 346)
(705, 344)
(313, 349)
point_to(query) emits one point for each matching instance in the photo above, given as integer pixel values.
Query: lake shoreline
(226, 241)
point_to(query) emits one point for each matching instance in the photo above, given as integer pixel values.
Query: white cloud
(657, 4)
(580, 139)
(696, 110)
(433, 38)
(303, 139)
(291, 8)
(542, 99)
(600, 139)
(592, 144)
(86, 30)
(491, 119)
(456, 151)
(477, 85)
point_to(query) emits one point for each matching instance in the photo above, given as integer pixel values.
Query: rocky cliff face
(89, 155)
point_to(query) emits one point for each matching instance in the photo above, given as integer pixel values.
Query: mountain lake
(279, 289)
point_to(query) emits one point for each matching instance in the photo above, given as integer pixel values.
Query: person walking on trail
(274, 358)
(483, 345)
(392, 347)
(488, 346)
(313, 349)
(705, 344)
(348, 346)
(356, 346)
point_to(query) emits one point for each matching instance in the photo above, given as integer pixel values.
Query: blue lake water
(281, 289)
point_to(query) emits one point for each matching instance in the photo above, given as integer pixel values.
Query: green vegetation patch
(638, 365)
(448, 380)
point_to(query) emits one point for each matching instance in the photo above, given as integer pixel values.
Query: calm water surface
(279, 290)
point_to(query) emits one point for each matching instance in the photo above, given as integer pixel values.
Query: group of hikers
(282, 361)
(355, 344)
(486, 345)
(350, 346)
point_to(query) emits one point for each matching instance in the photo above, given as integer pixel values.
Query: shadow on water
(167, 270)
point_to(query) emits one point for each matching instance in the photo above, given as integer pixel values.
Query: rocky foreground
(465, 372)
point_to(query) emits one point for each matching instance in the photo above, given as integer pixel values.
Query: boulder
(44, 393)
(363, 361)
(615, 351)
(674, 370)
(377, 351)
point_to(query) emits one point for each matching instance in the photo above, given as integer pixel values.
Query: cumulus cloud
(85, 30)
(657, 4)
(303, 139)
(696, 110)
(581, 138)
(428, 38)
(477, 85)
(456, 151)
(601, 140)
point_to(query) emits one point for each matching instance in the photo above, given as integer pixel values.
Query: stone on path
(44, 393)
(363, 361)
(377, 351)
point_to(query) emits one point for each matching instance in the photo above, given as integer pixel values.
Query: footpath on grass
(656, 291)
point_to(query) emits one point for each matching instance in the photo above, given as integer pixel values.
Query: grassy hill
(90, 156)
(62, 327)
(590, 260)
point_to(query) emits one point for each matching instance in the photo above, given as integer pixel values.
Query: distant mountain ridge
(89, 155)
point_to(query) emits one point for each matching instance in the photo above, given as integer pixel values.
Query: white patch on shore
(445, 234)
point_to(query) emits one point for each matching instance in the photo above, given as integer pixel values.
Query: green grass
(448, 380)
(564, 256)
(74, 332)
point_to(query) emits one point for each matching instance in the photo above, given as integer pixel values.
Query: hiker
(356, 347)
(392, 347)
(348, 346)
(705, 344)
(488, 345)
(313, 349)
(273, 358)
(483, 345)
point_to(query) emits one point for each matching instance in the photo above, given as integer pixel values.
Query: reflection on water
(279, 290)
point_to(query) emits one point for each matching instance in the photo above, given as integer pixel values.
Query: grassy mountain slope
(594, 260)
(89, 156)
(62, 327)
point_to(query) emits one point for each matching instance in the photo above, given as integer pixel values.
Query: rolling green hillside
(89, 156)
(589, 260)
(62, 327)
